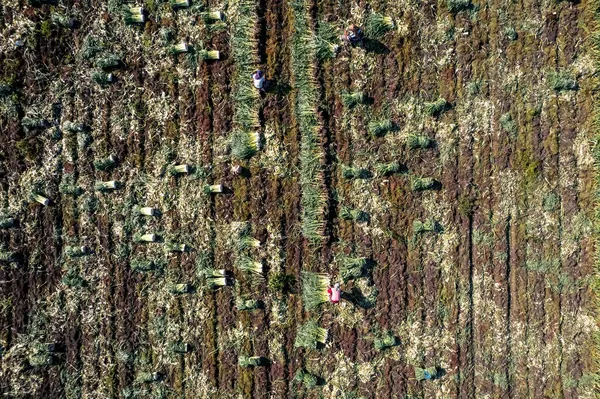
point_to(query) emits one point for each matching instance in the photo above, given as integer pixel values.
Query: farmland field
(153, 245)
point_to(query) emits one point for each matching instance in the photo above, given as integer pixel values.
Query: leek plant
(178, 169)
(175, 247)
(75, 251)
(134, 15)
(179, 3)
(351, 173)
(42, 354)
(304, 377)
(428, 225)
(75, 127)
(146, 377)
(68, 187)
(352, 268)
(34, 123)
(6, 256)
(105, 164)
(179, 48)
(244, 239)
(181, 347)
(146, 211)
(314, 289)
(422, 183)
(142, 265)
(562, 81)
(249, 265)
(310, 335)
(244, 144)
(6, 223)
(377, 25)
(216, 282)
(145, 237)
(429, 373)
(354, 214)
(417, 141)
(353, 99)
(105, 186)
(385, 340)
(180, 289)
(381, 127)
(388, 169)
(456, 6)
(40, 199)
(327, 39)
(208, 54)
(211, 16)
(108, 62)
(437, 107)
(103, 78)
(247, 304)
(212, 189)
(251, 361)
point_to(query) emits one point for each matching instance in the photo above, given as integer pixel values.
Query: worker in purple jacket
(259, 79)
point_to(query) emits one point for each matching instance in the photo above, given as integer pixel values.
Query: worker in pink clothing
(334, 293)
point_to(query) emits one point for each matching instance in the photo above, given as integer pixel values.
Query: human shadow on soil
(275, 87)
(375, 46)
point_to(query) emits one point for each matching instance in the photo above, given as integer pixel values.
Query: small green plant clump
(429, 373)
(42, 354)
(352, 268)
(422, 183)
(180, 288)
(68, 187)
(388, 169)
(562, 81)
(244, 304)
(244, 145)
(377, 25)
(307, 379)
(252, 361)
(76, 251)
(6, 222)
(353, 99)
(354, 214)
(310, 335)
(415, 141)
(142, 265)
(249, 265)
(314, 289)
(105, 164)
(282, 284)
(436, 108)
(326, 40)
(508, 124)
(428, 225)
(510, 33)
(379, 128)
(456, 6)
(7, 256)
(385, 340)
(352, 173)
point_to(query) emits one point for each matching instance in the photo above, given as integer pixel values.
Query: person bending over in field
(334, 293)
(259, 79)
(353, 35)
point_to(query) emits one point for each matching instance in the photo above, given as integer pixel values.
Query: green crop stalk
(310, 335)
(381, 127)
(377, 25)
(350, 100)
(314, 289)
(416, 141)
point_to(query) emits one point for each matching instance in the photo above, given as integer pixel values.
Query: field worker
(259, 79)
(353, 35)
(334, 293)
